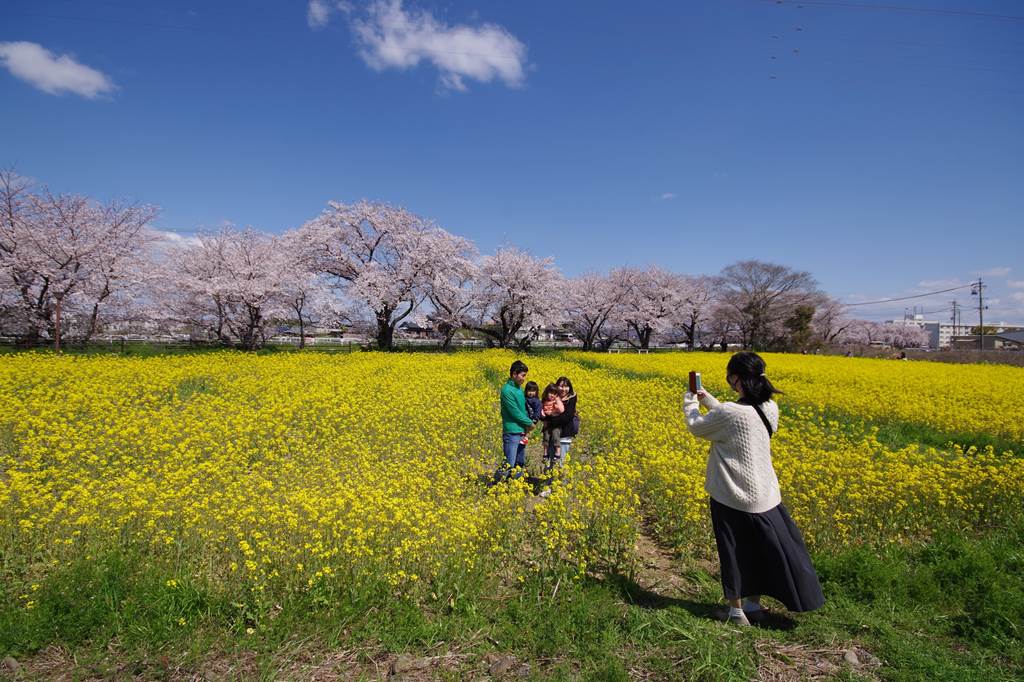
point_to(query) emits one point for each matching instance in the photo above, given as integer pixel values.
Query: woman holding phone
(760, 549)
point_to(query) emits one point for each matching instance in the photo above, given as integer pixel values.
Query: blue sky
(880, 149)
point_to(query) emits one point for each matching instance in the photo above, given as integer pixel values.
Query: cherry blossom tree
(451, 287)
(64, 258)
(184, 292)
(723, 326)
(652, 301)
(16, 276)
(516, 295)
(895, 334)
(697, 307)
(384, 257)
(831, 321)
(863, 332)
(593, 303)
(905, 335)
(229, 284)
(121, 267)
(307, 296)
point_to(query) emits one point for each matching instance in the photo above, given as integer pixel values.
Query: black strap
(767, 424)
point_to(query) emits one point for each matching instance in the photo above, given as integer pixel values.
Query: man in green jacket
(515, 422)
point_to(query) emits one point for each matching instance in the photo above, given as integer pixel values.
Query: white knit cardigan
(739, 472)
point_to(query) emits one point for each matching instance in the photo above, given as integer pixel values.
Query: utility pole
(978, 289)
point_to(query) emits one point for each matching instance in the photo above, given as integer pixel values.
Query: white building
(940, 334)
(946, 333)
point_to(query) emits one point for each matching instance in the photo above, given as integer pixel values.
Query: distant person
(568, 422)
(551, 407)
(515, 421)
(760, 549)
(533, 405)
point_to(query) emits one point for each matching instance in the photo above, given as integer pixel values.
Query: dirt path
(660, 577)
(658, 570)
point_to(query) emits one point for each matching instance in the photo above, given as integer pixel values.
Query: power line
(902, 8)
(907, 298)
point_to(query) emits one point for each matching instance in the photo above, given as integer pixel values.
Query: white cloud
(995, 272)
(1018, 296)
(1015, 283)
(35, 64)
(669, 195)
(174, 238)
(318, 13)
(939, 283)
(392, 37)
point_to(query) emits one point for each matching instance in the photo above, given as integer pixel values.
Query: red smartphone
(695, 382)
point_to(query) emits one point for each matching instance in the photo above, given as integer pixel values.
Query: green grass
(949, 610)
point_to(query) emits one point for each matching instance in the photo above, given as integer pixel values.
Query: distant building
(939, 334)
(942, 334)
(555, 334)
(414, 331)
(1011, 340)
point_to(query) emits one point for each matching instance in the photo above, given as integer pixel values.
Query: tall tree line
(72, 267)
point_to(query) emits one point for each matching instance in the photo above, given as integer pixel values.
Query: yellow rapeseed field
(982, 399)
(271, 474)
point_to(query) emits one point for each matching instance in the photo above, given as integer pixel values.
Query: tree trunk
(691, 335)
(250, 338)
(449, 334)
(221, 338)
(385, 330)
(56, 335)
(523, 343)
(505, 332)
(302, 332)
(92, 322)
(385, 337)
(491, 337)
(645, 338)
(590, 338)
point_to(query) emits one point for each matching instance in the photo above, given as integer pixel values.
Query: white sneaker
(741, 619)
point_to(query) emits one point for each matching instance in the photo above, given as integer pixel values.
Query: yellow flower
(280, 466)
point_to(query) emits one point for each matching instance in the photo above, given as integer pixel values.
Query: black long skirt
(764, 554)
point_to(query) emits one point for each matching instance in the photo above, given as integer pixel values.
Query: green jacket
(514, 418)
